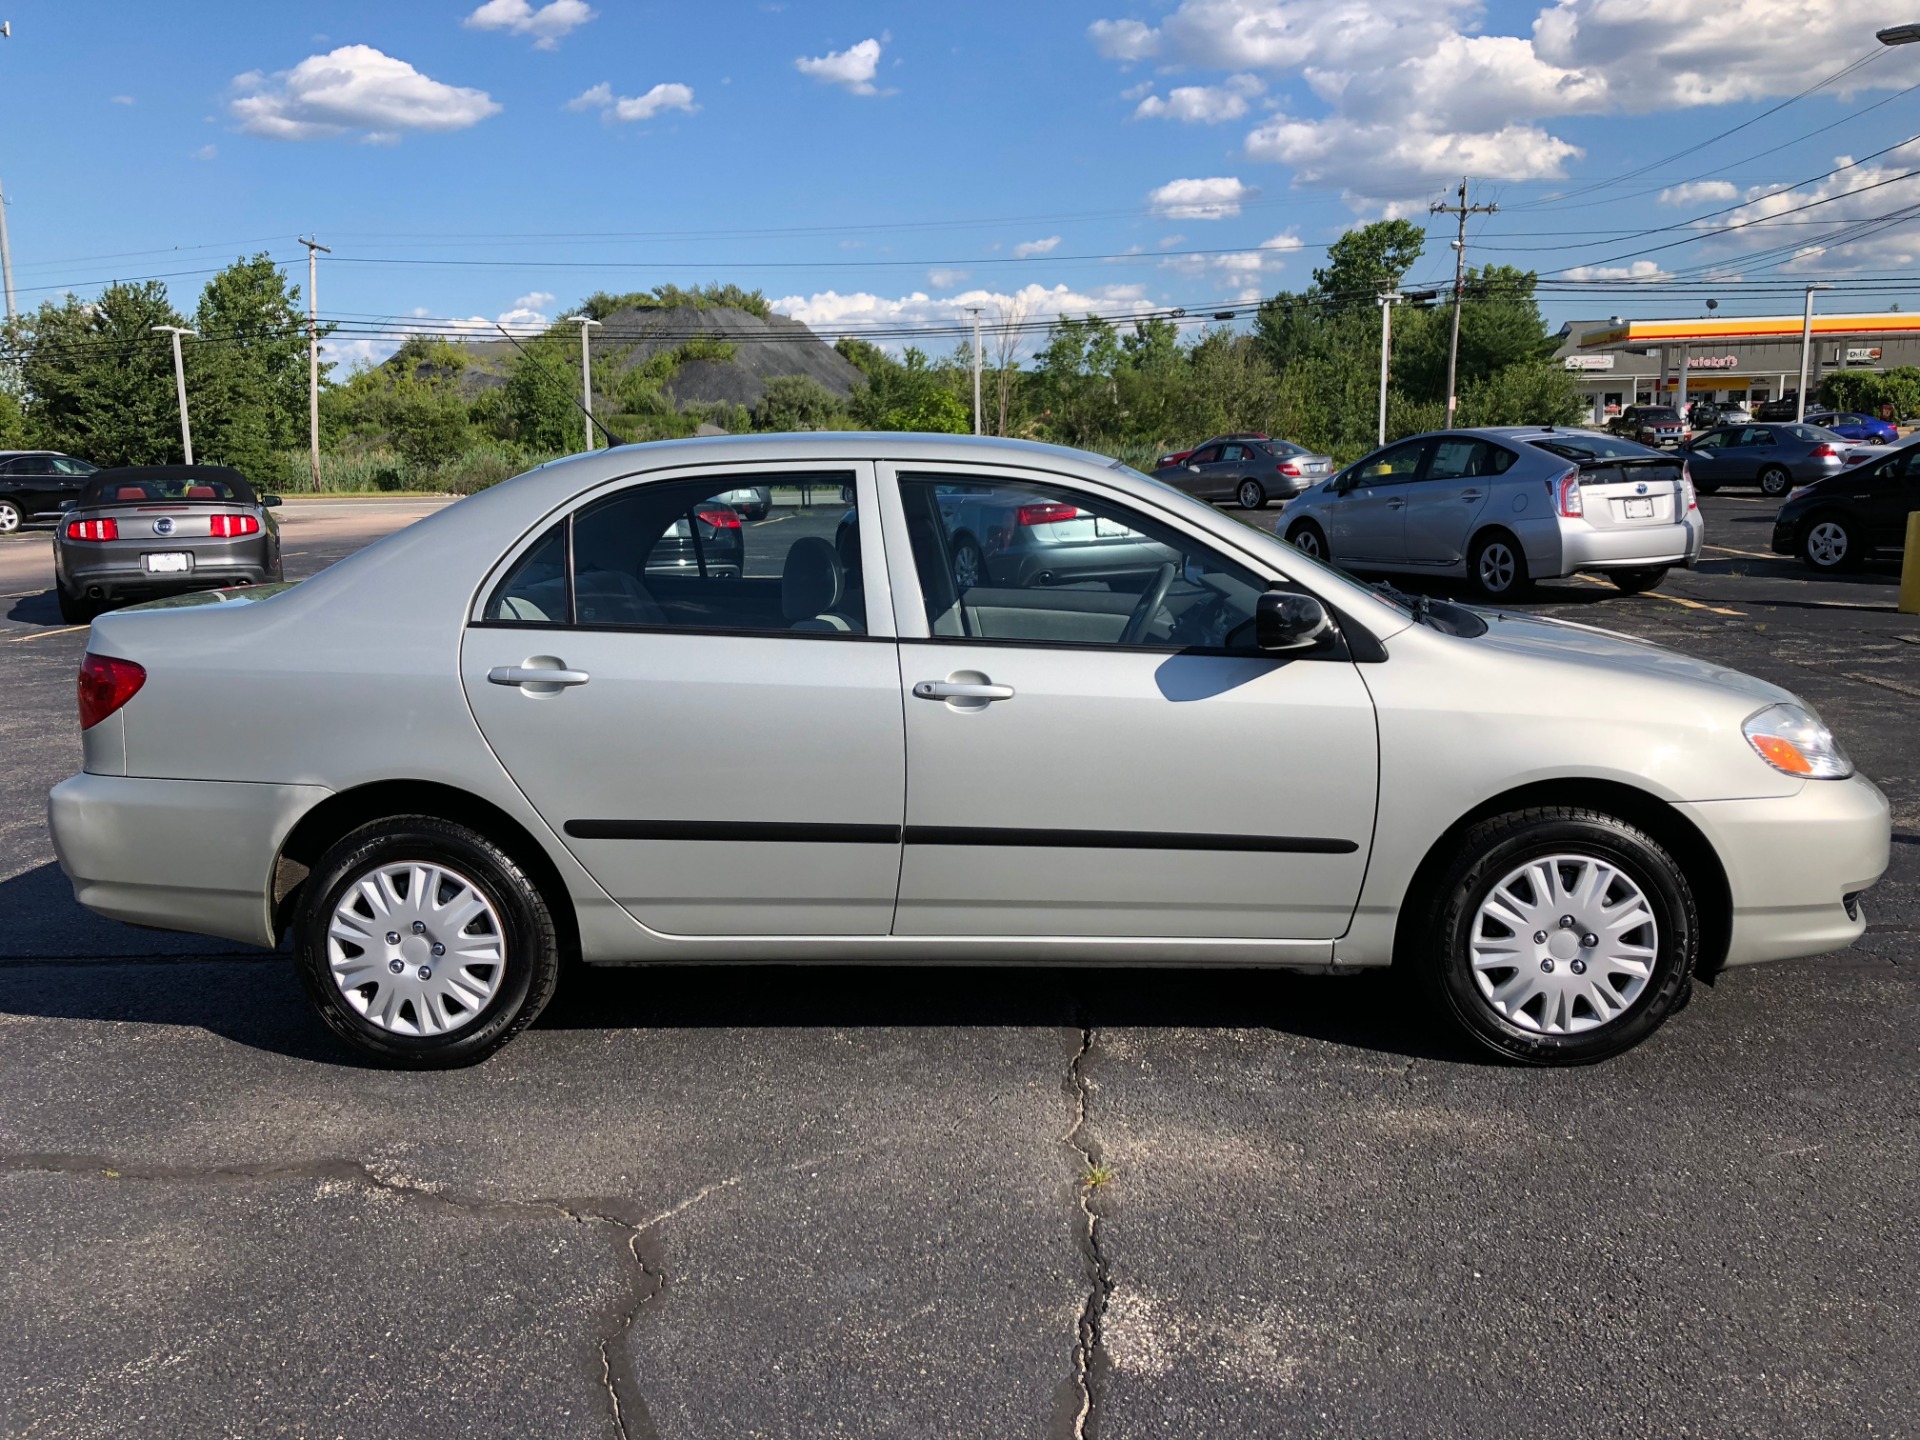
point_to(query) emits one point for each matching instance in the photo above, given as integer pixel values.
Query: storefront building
(1745, 359)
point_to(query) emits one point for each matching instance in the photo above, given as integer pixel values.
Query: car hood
(1588, 646)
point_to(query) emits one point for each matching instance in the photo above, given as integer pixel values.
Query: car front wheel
(1253, 495)
(423, 944)
(1560, 936)
(1828, 545)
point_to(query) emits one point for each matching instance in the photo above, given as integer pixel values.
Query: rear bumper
(193, 855)
(1791, 863)
(1585, 548)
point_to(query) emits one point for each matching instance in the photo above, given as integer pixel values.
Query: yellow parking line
(1751, 554)
(43, 634)
(774, 521)
(1676, 599)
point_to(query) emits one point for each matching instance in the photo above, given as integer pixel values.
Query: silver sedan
(445, 773)
(1775, 457)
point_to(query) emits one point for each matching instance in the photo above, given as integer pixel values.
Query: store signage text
(1713, 362)
(1589, 362)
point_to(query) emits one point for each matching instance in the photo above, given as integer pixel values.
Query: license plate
(168, 562)
(1109, 529)
(1640, 509)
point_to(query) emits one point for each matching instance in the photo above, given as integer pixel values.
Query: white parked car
(500, 737)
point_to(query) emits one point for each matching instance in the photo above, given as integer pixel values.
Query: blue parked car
(1854, 426)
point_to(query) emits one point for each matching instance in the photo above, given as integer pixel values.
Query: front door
(1116, 758)
(1369, 522)
(1449, 496)
(721, 743)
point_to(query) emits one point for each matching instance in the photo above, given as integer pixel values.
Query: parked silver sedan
(1775, 457)
(1247, 470)
(1505, 507)
(445, 791)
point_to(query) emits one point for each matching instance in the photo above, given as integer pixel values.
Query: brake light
(107, 529)
(720, 517)
(1687, 491)
(1823, 452)
(105, 685)
(1566, 495)
(1287, 467)
(231, 527)
(1046, 513)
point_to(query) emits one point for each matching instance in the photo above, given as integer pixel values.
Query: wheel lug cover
(1589, 940)
(1539, 937)
(393, 937)
(438, 949)
(420, 927)
(1566, 922)
(1579, 967)
(1547, 965)
(396, 966)
(426, 972)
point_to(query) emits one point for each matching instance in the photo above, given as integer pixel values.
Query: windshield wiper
(1419, 605)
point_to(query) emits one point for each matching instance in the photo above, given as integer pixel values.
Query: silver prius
(1505, 507)
(500, 739)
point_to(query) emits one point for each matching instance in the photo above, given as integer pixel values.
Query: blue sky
(891, 164)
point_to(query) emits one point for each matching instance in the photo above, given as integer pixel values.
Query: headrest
(131, 492)
(811, 580)
(200, 492)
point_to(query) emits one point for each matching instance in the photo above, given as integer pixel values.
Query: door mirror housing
(269, 501)
(1286, 620)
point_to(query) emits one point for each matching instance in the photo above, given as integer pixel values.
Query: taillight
(1823, 452)
(720, 517)
(1566, 495)
(231, 527)
(107, 529)
(105, 685)
(1687, 492)
(1046, 513)
(1287, 467)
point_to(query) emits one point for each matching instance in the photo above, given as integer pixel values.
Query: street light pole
(6, 250)
(314, 248)
(1806, 351)
(180, 384)
(974, 310)
(1386, 303)
(585, 322)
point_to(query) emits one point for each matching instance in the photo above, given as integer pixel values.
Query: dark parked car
(1852, 425)
(153, 530)
(1787, 407)
(37, 482)
(1249, 472)
(1178, 456)
(1649, 424)
(1774, 457)
(1837, 523)
(1705, 414)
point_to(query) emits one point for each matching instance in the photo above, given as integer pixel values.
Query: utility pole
(1806, 351)
(586, 323)
(314, 250)
(180, 384)
(6, 250)
(1463, 210)
(1386, 303)
(974, 310)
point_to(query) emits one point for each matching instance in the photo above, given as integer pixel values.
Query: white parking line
(774, 521)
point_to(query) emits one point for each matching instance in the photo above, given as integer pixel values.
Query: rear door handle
(948, 690)
(535, 675)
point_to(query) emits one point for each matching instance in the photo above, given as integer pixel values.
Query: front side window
(1016, 561)
(1392, 467)
(1204, 457)
(682, 555)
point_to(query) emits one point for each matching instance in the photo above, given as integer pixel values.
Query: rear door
(1079, 759)
(1449, 496)
(722, 746)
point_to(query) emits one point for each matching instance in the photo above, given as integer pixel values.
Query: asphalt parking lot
(761, 1201)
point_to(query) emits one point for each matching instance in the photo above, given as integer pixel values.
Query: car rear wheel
(1827, 545)
(424, 944)
(1560, 936)
(77, 609)
(1774, 481)
(1309, 539)
(1706, 487)
(1635, 582)
(10, 517)
(1497, 566)
(1253, 495)
(969, 565)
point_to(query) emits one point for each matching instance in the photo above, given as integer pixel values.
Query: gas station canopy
(1651, 334)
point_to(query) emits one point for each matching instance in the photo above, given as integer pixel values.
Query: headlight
(1791, 740)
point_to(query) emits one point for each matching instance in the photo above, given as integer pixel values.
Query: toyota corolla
(510, 735)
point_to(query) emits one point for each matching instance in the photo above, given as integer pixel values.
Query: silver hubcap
(1496, 567)
(416, 948)
(1827, 543)
(966, 567)
(1773, 482)
(1564, 945)
(9, 519)
(1307, 542)
(1250, 496)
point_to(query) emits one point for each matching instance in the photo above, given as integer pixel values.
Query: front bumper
(1792, 862)
(193, 855)
(1786, 537)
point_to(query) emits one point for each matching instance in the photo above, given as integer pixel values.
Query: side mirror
(1286, 620)
(1193, 467)
(68, 504)
(270, 501)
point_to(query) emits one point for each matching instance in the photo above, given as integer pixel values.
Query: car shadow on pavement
(41, 609)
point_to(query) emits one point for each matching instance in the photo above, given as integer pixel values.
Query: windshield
(1659, 416)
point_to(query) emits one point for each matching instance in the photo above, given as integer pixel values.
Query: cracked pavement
(769, 1201)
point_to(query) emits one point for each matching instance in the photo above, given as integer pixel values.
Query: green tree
(98, 381)
(13, 421)
(1364, 262)
(539, 407)
(247, 373)
(797, 402)
(1867, 391)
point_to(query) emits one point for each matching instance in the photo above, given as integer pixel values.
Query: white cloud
(1215, 198)
(355, 88)
(1696, 191)
(546, 23)
(206, 152)
(1638, 270)
(1287, 241)
(1854, 197)
(1396, 161)
(123, 99)
(1247, 267)
(1203, 104)
(669, 95)
(1124, 39)
(852, 68)
(832, 313)
(946, 279)
(1028, 248)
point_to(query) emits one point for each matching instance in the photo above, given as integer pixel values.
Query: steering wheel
(1150, 601)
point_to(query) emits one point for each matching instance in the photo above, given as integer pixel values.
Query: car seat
(201, 492)
(813, 588)
(132, 492)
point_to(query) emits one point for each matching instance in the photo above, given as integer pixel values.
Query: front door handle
(535, 675)
(1471, 494)
(949, 690)
(1396, 504)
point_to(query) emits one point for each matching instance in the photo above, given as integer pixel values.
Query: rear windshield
(106, 488)
(1814, 435)
(1598, 447)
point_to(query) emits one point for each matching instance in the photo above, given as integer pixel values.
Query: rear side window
(535, 590)
(1457, 458)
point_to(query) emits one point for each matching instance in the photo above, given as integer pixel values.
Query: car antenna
(592, 419)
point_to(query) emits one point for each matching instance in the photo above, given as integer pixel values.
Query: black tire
(1251, 494)
(1308, 538)
(968, 557)
(1489, 853)
(12, 517)
(1775, 482)
(530, 945)
(1636, 582)
(76, 609)
(1830, 544)
(1496, 578)
(1706, 487)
